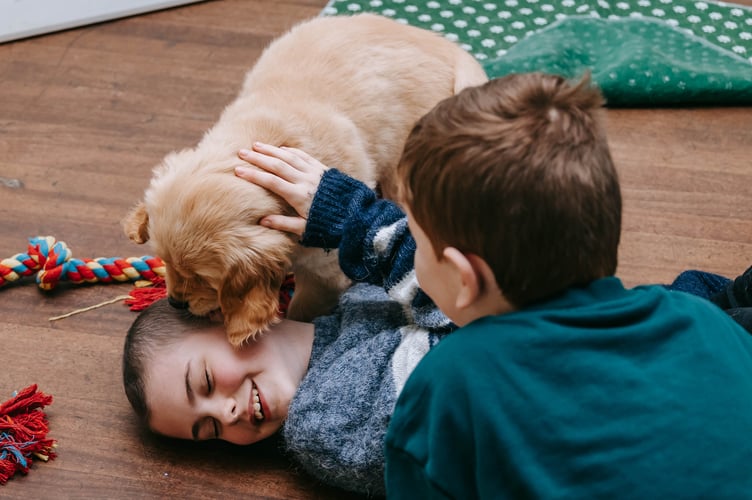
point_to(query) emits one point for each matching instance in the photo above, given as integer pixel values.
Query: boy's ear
(471, 272)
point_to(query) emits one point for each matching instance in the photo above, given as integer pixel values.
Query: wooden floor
(84, 116)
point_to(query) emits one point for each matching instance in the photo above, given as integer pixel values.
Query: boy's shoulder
(603, 317)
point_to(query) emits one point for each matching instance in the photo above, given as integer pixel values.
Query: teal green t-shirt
(602, 392)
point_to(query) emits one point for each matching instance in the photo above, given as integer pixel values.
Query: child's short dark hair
(159, 325)
(518, 171)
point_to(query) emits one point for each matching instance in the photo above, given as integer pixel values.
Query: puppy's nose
(177, 304)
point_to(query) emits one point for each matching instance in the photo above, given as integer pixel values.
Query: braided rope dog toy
(52, 261)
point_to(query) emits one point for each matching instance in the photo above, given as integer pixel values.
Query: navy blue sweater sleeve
(375, 245)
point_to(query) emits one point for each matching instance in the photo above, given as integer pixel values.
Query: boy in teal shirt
(560, 382)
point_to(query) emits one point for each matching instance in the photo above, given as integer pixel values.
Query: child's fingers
(290, 163)
(284, 173)
(270, 163)
(270, 181)
(298, 195)
(308, 159)
(294, 225)
(294, 157)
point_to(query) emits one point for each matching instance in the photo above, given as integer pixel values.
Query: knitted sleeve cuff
(336, 198)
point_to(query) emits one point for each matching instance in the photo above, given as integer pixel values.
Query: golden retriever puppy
(347, 90)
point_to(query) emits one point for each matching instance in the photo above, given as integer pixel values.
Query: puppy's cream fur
(347, 90)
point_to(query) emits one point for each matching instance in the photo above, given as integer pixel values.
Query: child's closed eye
(209, 386)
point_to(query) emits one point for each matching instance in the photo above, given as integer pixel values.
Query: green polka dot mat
(640, 52)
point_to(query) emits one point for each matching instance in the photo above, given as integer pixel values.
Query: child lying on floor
(331, 387)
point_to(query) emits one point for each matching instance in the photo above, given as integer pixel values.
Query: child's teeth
(257, 411)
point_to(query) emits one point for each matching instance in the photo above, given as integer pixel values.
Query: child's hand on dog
(288, 172)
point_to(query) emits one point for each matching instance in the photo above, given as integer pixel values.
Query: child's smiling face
(202, 388)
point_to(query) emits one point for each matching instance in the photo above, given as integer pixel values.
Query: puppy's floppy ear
(251, 315)
(249, 299)
(136, 224)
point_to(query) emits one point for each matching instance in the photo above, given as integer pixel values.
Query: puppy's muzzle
(177, 304)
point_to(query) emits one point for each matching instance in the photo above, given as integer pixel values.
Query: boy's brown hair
(518, 171)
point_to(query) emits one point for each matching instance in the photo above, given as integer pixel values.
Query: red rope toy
(23, 432)
(52, 261)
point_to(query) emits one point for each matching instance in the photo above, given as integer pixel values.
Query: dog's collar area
(177, 304)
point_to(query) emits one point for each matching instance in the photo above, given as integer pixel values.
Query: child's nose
(230, 411)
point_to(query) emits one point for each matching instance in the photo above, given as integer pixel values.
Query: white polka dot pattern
(489, 29)
(640, 52)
